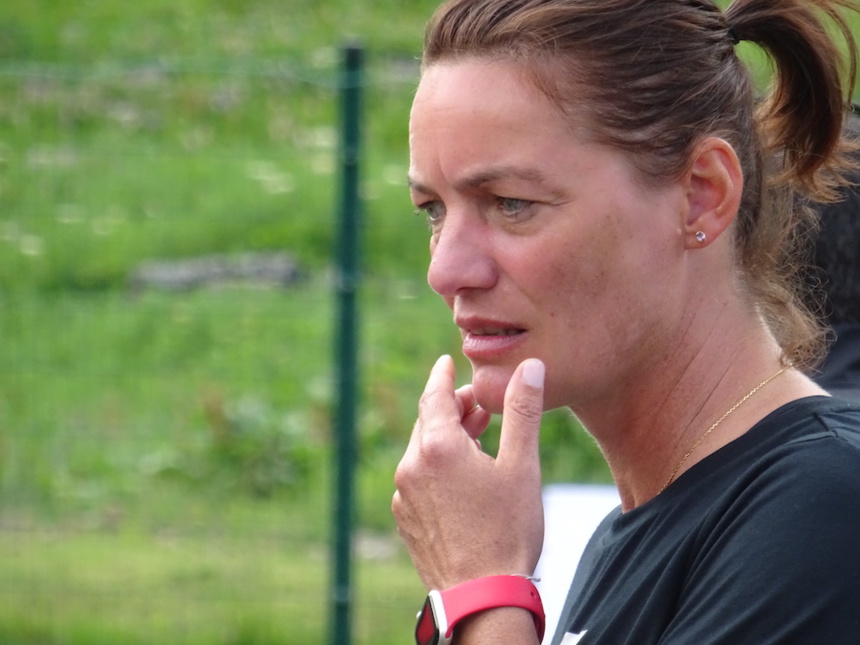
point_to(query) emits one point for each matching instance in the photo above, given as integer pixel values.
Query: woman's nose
(461, 257)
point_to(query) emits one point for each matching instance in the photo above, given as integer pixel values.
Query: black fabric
(837, 247)
(757, 544)
(840, 372)
(836, 268)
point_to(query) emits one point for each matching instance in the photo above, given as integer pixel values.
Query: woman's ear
(714, 184)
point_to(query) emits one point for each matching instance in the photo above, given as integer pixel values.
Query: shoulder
(803, 460)
(803, 428)
(777, 550)
(787, 496)
(817, 434)
(796, 502)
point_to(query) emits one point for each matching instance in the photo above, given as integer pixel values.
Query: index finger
(438, 401)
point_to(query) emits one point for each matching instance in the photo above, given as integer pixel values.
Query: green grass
(93, 588)
(51, 31)
(131, 386)
(117, 523)
(159, 169)
(108, 451)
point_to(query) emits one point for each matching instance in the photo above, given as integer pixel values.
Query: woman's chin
(489, 385)
(490, 382)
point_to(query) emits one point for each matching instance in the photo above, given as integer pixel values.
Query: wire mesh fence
(166, 376)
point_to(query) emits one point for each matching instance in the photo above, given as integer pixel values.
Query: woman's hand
(461, 513)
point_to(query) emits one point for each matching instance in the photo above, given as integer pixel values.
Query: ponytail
(802, 117)
(800, 123)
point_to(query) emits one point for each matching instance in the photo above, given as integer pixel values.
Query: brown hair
(652, 77)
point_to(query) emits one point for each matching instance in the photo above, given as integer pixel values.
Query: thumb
(518, 443)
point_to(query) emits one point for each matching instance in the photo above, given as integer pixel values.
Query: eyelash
(427, 209)
(522, 204)
(502, 203)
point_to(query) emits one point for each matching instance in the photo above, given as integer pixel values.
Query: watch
(444, 609)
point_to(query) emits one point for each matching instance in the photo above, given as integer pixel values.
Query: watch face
(425, 631)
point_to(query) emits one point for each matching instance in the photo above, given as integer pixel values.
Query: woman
(610, 226)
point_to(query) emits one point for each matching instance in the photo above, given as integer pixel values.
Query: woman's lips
(483, 342)
(494, 331)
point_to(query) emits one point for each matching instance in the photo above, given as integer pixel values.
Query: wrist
(499, 625)
(444, 610)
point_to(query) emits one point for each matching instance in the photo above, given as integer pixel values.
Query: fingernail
(534, 372)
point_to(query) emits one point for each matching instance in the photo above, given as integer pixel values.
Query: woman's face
(542, 244)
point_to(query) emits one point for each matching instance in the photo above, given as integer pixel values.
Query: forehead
(473, 112)
(494, 87)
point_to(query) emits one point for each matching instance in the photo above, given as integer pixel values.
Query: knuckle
(427, 455)
(526, 408)
(434, 451)
(403, 475)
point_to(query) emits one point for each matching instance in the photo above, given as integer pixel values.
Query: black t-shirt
(840, 373)
(759, 543)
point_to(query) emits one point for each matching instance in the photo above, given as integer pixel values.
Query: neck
(646, 428)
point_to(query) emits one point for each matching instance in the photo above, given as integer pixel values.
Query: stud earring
(701, 237)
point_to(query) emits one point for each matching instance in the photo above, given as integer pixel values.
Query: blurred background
(168, 211)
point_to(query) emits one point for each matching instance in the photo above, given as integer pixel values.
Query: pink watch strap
(491, 592)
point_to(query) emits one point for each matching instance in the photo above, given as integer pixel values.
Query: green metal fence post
(348, 279)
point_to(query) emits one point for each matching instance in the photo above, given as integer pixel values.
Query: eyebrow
(478, 179)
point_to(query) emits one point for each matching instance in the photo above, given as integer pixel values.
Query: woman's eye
(433, 211)
(513, 207)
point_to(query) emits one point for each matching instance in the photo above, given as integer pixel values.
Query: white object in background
(571, 514)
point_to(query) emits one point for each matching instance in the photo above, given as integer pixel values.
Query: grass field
(164, 457)
(112, 464)
(96, 588)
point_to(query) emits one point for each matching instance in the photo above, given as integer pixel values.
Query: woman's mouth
(490, 342)
(494, 331)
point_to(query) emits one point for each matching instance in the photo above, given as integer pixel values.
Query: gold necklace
(716, 423)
